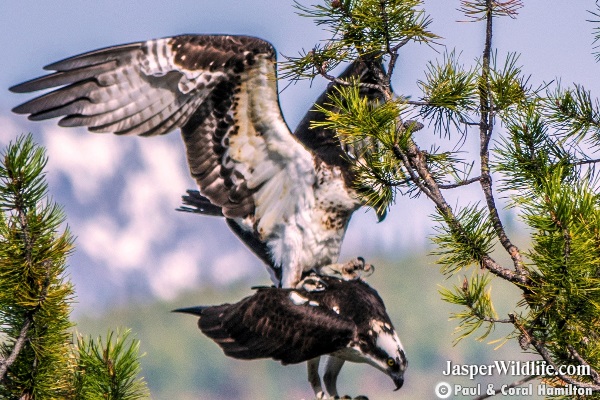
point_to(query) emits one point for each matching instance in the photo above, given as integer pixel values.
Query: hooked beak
(398, 380)
(398, 376)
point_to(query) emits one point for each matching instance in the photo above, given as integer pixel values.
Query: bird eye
(391, 362)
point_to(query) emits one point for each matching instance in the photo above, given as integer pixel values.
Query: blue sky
(120, 193)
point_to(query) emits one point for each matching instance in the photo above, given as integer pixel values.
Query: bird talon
(348, 271)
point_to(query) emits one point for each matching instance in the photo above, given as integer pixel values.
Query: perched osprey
(323, 315)
(289, 197)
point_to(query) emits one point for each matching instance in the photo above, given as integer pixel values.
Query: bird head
(383, 350)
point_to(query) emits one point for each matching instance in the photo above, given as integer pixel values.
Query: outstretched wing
(323, 141)
(274, 324)
(220, 90)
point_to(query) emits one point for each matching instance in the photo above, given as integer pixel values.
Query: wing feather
(269, 325)
(220, 90)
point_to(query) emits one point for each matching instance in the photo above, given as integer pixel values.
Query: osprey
(288, 197)
(323, 315)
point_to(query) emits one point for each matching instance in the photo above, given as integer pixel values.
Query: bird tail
(235, 339)
(192, 310)
(211, 320)
(194, 202)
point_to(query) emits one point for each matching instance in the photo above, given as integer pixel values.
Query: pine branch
(15, 179)
(486, 261)
(18, 346)
(594, 374)
(461, 183)
(586, 162)
(505, 273)
(545, 353)
(109, 368)
(323, 72)
(560, 290)
(415, 164)
(486, 126)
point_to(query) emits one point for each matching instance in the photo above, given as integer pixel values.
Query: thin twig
(418, 103)
(496, 320)
(512, 385)
(583, 162)
(393, 52)
(19, 343)
(459, 184)
(505, 273)
(321, 70)
(401, 44)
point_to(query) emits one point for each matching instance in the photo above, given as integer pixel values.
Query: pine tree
(37, 357)
(541, 162)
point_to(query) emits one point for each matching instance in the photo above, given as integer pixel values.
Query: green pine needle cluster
(508, 86)
(475, 295)
(37, 358)
(358, 28)
(478, 10)
(464, 241)
(109, 370)
(528, 154)
(574, 113)
(449, 93)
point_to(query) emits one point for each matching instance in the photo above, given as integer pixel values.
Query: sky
(120, 194)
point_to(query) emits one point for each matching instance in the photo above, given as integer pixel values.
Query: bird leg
(314, 379)
(290, 277)
(332, 370)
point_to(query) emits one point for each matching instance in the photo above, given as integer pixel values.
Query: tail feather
(198, 310)
(194, 202)
(231, 335)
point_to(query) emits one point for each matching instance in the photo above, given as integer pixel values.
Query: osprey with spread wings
(288, 197)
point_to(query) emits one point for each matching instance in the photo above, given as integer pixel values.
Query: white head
(384, 351)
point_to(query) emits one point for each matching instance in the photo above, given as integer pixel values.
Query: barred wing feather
(219, 90)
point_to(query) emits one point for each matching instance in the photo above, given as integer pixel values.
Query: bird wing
(320, 140)
(275, 323)
(220, 90)
(324, 141)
